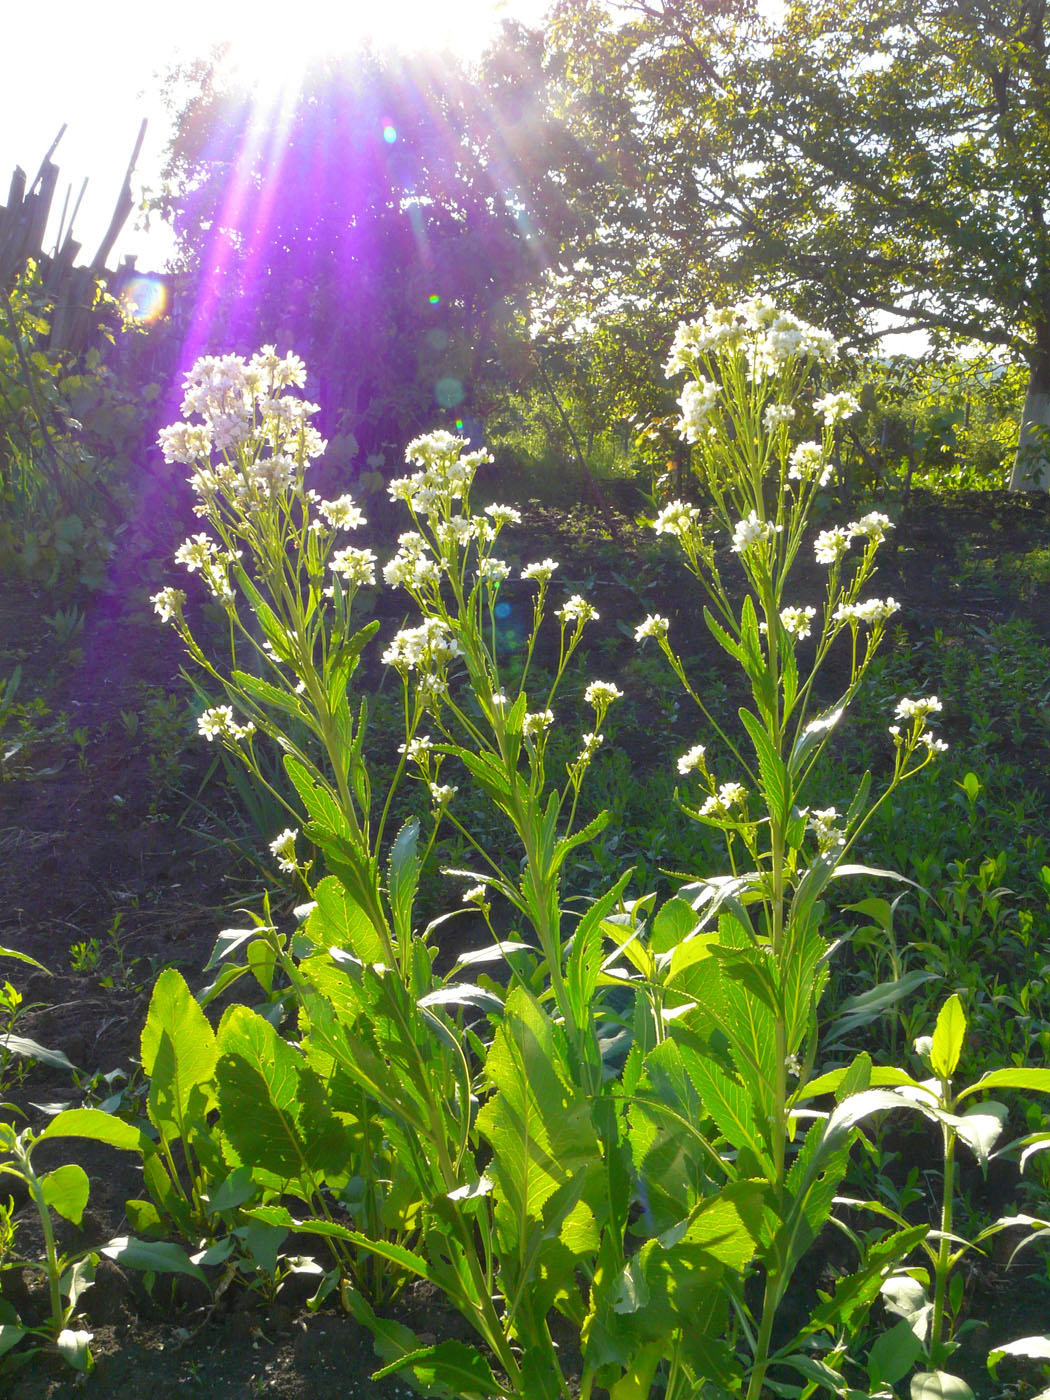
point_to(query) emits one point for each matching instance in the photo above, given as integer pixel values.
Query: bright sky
(97, 67)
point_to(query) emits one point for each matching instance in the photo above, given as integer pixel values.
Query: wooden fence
(70, 288)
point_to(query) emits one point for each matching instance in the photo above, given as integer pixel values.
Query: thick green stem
(938, 1347)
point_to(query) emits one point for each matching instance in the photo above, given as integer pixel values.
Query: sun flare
(269, 59)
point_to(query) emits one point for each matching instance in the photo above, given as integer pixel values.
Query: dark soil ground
(106, 848)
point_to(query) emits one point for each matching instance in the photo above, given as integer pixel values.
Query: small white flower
(777, 414)
(696, 401)
(341, 513)
(750, 530)
(283, 847)
(692, 760)
(653, 626)
(797, 622)
(535, 723)
(577, 610)
(871, 611)
(168, 603)
(933, 744)
(873, 525)
(492, 571)
(676, 518)
(729, 795)
(918, 709)
(196, 552)
(503, 515)
(416, 747)
(591, 744)
(835, 408)
(442, 793)
(540, 573)
(601, 694)
(822, 824)
(831, 545)
(215, 721)
(475, 895)
(357, 566)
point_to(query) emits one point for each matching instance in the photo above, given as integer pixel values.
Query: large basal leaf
(260, 1094)
(537, 1123)
(179, 1054)
(340, 922)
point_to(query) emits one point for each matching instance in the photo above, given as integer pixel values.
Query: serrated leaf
(179, 1054)
(340, 922)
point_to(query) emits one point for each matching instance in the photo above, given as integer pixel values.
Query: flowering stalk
(747, 399)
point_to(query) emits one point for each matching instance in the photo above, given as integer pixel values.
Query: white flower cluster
(676, 518)
(721, 803)
(242, 406)
(341, 513)
(751, 531)
(168, 603)
(445, 475)
(416, 749)
(777, 414)
(283, 847)
(540, 573)
(692, 760)
(577, 610)
(413, 566)
(822, 824)
(797, 622)
(653, 626)
(429, 647)
(768, 336)
(871, 611)
(591, 744)
(836, 408)
(218, 722)
(535, 723)
(356, 566)
(601, 694)
(696, 402)
(492, 571)
(806, 460)
(918, 712)
(832, 545)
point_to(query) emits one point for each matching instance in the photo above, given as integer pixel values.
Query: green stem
(938, 1345)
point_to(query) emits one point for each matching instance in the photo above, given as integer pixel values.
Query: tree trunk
(1032, 464)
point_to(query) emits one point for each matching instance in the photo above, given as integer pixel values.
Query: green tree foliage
(868, 158)
(381, 221)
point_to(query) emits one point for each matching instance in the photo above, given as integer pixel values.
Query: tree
(381, 220)
(870, 158)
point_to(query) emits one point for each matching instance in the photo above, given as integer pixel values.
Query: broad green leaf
(459, 1370)
(938, 1385)
(948, 1037)
(179, 1054)
(537, 1123)
(259, 1085)
(1021, 1078)
(156, 1256)
(893, 1354)
(10, 1335)
(1036, 1348)
(75, 1348)
(981, 1126)
(675, 920)
(729, 1105)
(638, 1381)
(66, 1191)
(340, 922)
(92, 1123)
(29, 1050)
